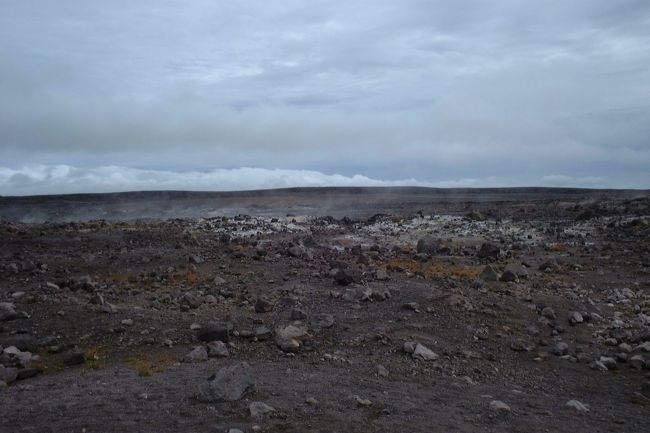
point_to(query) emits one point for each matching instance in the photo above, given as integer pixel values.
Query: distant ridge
(316, 201)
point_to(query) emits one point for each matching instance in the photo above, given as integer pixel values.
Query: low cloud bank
(63, 179)
(60, 179)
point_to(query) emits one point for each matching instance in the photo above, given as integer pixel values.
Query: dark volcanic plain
(355, 309)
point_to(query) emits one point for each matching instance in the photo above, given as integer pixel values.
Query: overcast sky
(122, 95)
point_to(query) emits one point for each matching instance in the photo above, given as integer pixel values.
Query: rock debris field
(471, 315)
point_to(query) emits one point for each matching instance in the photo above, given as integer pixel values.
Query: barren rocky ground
(404, 311)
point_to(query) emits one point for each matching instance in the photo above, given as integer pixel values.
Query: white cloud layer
(63, 179)
(434, 90)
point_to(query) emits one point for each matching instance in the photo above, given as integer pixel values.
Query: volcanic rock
(228, 384)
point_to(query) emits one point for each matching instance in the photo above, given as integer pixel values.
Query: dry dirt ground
(478, 313)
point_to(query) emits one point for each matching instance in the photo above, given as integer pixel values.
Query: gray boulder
(429, 245)
(489, 251)
(8, 374)
(228, 384)
(215, 331)
(7, 311)
(198, 354)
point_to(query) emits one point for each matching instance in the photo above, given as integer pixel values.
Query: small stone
(262, 333)
(548, 312)
(609, 362)
(263, 305)
(298, 314)
(74, 357)
(382, 371)
(625, 348)
(489, 251)
(518, 345)
(561, 348)
(228, 384)
(198, 354)
(381, 274)
(597, 365)
(509, 276)
(8, 374)
(258, 409)
(424, 353)
(196, 259)
(429, 245)
(645, 347)
(311, 401)
(489, 274)
(217, 349)
(344, 277)
(295, 251)
(127, 322)
(215, 331)
(499, 406)
(7, 311)
(380, 295)
(577, 406)
(637, 361)
(108, 308)
(575, 318)
(321, 321)
(549, 266)
(363, 401)
(191, 301)
(195, 327)
(611, 341)
(413, 306)
(409, 346)
(290, 338)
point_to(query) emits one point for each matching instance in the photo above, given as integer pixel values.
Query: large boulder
(228, 384)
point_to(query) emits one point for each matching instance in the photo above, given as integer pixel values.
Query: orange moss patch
(437, 268)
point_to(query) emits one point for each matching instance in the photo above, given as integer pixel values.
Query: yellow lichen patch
(146, 367)
(434, 268)
(94, 357)
(189, 277)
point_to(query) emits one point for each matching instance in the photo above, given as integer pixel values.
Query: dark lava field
(326, 310)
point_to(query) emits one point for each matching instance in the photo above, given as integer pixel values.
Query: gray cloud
(521, 92)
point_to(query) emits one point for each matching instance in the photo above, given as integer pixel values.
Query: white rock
(499, 406)
(578, 406)
(424, 353)
(363, 401)
(259, 409)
